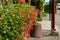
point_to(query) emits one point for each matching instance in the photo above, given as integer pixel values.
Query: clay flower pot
(37, 30)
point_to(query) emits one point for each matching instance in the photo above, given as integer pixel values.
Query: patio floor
(46, 36)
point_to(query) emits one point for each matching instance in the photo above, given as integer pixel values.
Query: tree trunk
(29, 2)
(39, 9)
(1, 1)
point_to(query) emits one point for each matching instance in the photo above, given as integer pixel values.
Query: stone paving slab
(46, 36)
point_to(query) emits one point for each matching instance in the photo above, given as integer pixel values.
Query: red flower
(21, 1)
(33, 16)
(28, 32)
(25, 15)
(21, 11)
(16, 38)
(34, 13)
(27, 36)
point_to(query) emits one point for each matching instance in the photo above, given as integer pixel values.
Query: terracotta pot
(37, 30)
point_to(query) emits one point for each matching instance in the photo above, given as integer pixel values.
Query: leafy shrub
(47, 8)
(38, 19)
(44, 14)
(36, 3)
(16, 21)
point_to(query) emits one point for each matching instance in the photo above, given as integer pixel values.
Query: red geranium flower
(21, 1)
(34, 13)
(28, 32)
(16, 38)
(27, 35)
(25, 15)
(21, 11)
(33, 16)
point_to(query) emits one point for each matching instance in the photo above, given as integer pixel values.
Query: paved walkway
(46, 36)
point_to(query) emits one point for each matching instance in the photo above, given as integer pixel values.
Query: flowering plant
(29, 16)
(16, 21)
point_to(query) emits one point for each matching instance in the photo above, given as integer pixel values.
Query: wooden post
(39, 9)
(53, 15)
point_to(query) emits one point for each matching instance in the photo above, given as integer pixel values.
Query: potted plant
(37, 32)
(37, 28)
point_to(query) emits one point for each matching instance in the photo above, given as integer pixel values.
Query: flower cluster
(21, 1)
(30, 17)
(27, 16)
